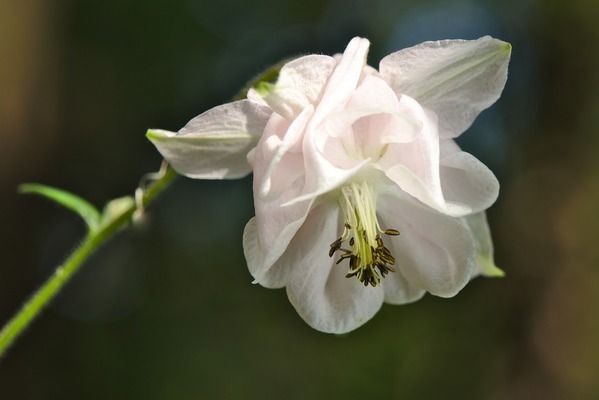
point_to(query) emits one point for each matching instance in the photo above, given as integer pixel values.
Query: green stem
(94, 240)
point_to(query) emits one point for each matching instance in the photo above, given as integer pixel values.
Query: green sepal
(488, 267)
(264, 81)
(115, 209)
(79, 206)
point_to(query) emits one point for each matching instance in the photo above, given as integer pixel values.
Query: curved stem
(94, 239)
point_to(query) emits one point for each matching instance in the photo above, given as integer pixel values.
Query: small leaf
(82, 207)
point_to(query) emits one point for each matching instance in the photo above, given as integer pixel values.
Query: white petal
(467, 183)
(375, 94)
(214, 144)
(457, 79)
(275, 225)
(317, 288)
(434, 252)
(398, 290)
(300, 84)
(267, 236)
(414, 165)
(273, 277)
(479, 228)
(335, 178)
(278, 148)
(344, 78)
(375, 115)
(254, 96)
(321, 175)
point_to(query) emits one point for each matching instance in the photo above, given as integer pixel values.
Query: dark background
(167, 310)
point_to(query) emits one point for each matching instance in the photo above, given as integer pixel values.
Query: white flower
(345, 158)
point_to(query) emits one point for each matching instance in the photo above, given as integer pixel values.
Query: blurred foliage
(167, 310)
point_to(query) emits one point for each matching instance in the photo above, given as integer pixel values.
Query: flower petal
(457, 79)
(398, 290)
(284, 137)
(268, 234)
(344, 78)
(434, 251)
(467, 183)
(414, 165)
(317, 288)
(271, 277)
(479, 228)
(321, 175)
(278, 178)
(214, 144)
(300, 84)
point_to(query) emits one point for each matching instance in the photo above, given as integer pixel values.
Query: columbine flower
(361, 194)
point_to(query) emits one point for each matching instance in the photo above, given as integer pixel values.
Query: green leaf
(82, 207)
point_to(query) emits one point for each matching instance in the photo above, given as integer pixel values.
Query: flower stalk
(117, 215)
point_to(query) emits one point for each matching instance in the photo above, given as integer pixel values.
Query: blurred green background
(167, 310)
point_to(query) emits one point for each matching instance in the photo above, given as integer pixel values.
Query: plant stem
(94, 239)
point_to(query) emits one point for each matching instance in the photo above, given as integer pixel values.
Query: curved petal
(268, 234)
(479, 228)
(320, 174)
(414, 165)
(275, 224)
(399, 290)
(274, 276)
(467, 183)
(278, 146)
(434, 251)
(300, 84)
(344, 79)
(375, 94)
(214, 145)
(456, 79)
(317, 288)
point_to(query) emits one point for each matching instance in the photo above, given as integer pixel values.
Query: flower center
(369, 259)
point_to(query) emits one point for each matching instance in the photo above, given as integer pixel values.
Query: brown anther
(334, 247)
(381, 263)
(343, 257)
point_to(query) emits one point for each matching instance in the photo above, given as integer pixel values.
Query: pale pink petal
(272, 276)
(214, 145)
(317, 288)
(467, 183)
(275, 225)
(479, 229)
(254, 96)
(271, 172)
(269, 233)
(344, 78)
(414, 165)
(374, 94)
(434, 252)
(457, 79)
(300, 84)
(398, 290)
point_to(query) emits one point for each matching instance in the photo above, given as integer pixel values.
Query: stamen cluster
(369, 259)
